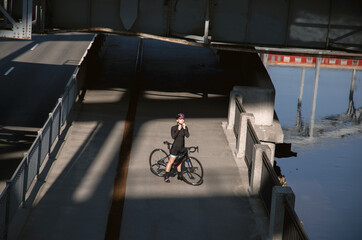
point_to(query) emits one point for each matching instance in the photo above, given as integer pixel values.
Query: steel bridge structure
(327, 25)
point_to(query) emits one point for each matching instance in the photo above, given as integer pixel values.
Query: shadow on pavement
(196, 87)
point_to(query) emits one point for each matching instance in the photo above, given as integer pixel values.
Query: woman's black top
(179, 139)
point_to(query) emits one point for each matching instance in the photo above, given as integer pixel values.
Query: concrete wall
(256, 87)
(256, 94)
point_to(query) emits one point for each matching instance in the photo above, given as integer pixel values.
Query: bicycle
(191, 169)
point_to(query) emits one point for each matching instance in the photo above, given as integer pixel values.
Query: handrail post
(243, 127)
(40, 135)
(232, 110)
(257, 166)
(75, 87)
(271, 145)
(60, 101)
(25, 182)
(9, 185)
(277, 211)
(50, 132)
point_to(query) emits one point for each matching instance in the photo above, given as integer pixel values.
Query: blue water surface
(326, 176)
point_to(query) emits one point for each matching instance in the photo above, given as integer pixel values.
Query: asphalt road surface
(33, 75)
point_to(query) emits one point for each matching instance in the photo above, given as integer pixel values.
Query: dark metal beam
(21, 29)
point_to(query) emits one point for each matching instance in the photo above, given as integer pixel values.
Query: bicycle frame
(192, 170)
(179, 158)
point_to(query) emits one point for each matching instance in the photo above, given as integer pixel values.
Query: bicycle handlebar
(166, 142)
(193, 149)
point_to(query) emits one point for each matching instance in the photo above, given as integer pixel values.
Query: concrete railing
(256, 104)
(15, 193)
(256, 146)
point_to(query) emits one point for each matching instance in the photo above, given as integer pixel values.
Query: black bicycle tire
(193, 159)
(155, 163)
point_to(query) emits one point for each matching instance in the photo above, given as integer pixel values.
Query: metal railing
(251, 140)
(293, 228)
(267, 179)
(238, 109)
(14, 194)
(16, 188)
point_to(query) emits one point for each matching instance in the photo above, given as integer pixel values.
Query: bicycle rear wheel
(158, 162)
(192, 171)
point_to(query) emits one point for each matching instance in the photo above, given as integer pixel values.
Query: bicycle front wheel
(158, 162)
(192, 171)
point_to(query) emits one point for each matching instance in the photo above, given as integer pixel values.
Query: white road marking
(7, 73)
(34, 47)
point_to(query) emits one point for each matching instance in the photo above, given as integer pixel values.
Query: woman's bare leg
(179, 168)
(169, 164)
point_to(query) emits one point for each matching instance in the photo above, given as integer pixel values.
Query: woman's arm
(174, 132)
(187, 134)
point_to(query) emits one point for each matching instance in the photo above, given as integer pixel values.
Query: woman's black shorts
(175, 150)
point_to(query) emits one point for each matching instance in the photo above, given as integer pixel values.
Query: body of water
(326, 176)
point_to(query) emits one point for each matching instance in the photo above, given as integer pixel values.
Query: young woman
(178, 133)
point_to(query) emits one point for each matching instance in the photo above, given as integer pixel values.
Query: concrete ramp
(218, 209)
(75, 200)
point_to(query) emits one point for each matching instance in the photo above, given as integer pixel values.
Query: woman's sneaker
(167, 178)
(179, 176)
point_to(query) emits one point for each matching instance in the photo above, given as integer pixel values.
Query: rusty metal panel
(346, 23)
(308, 23)
(105, 13)
(70, 14)
(152, 17)
(228, 20)
(267, 22)
(78, 14)
(189, 17)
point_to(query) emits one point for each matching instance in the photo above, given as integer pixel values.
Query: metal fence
(15, 191)
(269, 179)
(251, 140)
(14, 194)
(238, 109)
(292, 227)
